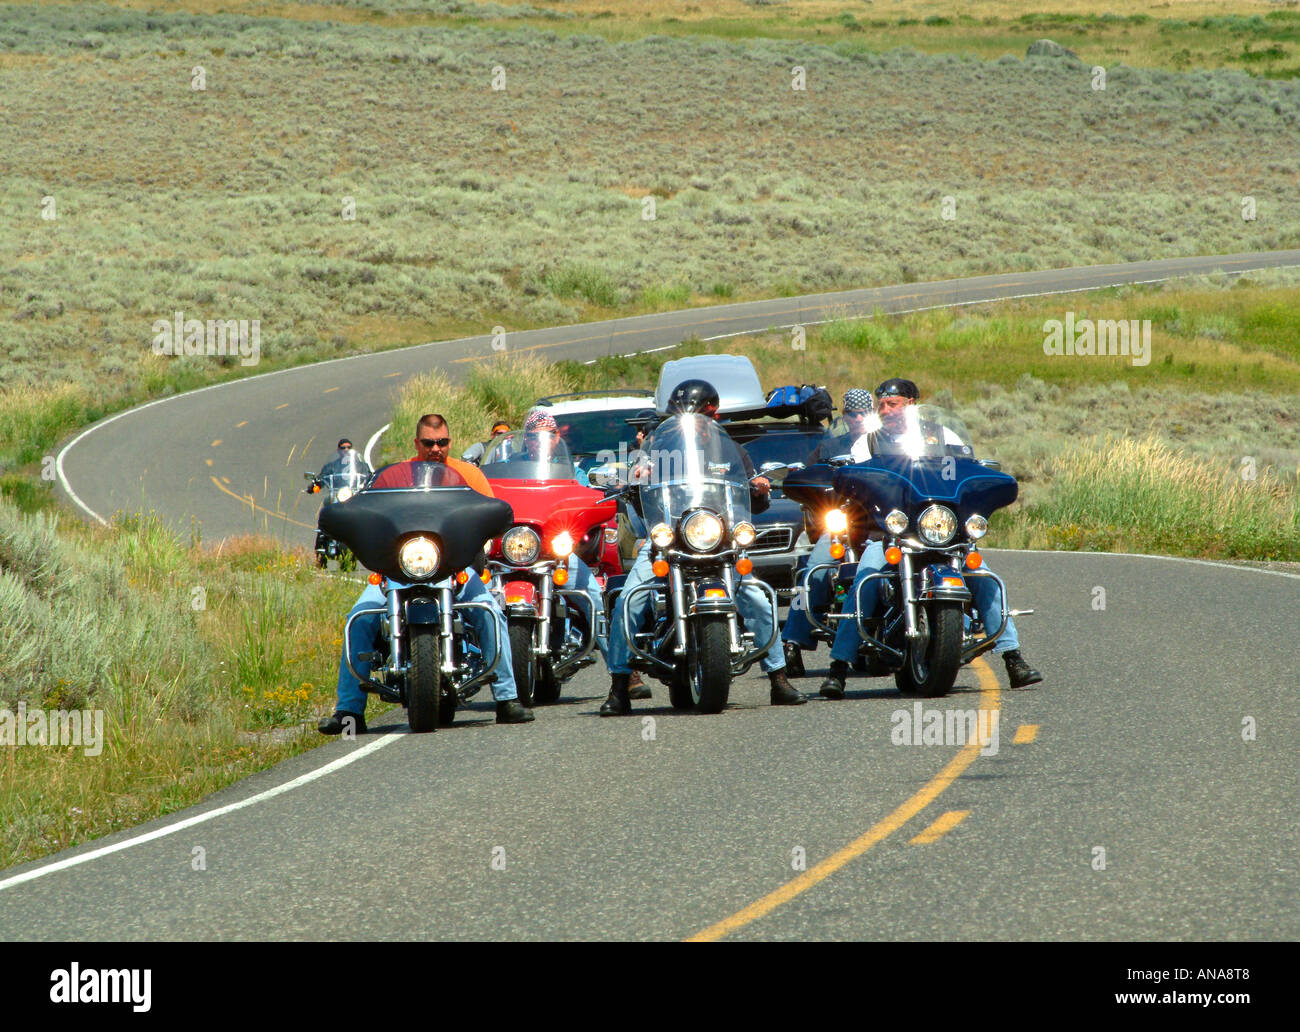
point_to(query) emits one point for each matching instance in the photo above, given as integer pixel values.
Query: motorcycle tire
(447, 707)
(679, 688)
(931, 670)
(546, 688)
(424, 678)
(711, 665)
(524, 663)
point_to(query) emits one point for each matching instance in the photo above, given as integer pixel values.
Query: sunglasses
(435, 442)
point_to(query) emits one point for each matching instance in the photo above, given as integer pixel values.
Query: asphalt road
(1145, 790)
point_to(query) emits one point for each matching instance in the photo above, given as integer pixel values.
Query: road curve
(1145, 791)
(231, 456)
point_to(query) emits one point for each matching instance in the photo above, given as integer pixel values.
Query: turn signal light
(462, 577)
(743, 566)
(715, 592)
(837, 550)
(974, 561)
(560, 576)
(374, 578)
(486, 576)
(315, 488)
(893, 555)
(660, 567)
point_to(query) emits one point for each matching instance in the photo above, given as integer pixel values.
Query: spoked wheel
(934, 658)
(424, 679)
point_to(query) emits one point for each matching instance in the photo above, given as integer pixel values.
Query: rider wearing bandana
(755, 608)
(894, 434)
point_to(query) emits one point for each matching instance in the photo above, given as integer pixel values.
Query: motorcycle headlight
(344, 494)
(976, 527)
(418, 558)
(703, 531)
(744, 534)
(896, 522)
(837, 522)
(562, 544)
(937, 525)
(662, 535)
(520, 545)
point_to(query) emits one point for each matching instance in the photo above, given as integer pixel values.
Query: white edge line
(371, 443)
(189, 822)
(1218, 564)
(813, 303)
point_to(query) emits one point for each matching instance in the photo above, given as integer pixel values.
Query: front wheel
(934, 658)
(424, 678)
(523, 662)
(711, 669)
(546, 688)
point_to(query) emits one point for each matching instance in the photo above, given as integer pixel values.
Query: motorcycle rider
(346, 461)
(797, 632)
(432, 444)
(893, 396)
(474, 453)
(701, 397)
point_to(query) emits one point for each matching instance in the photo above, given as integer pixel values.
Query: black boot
(783, 692)
(342, 721)
(794, 660)
(637, 688)
(1020, 673)
(511, 712)
(618, 704)
(833, 686)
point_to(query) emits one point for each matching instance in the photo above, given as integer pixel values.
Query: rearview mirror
(605, 475)
(989, 463)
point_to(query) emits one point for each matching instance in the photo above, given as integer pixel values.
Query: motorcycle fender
(421, 611)
(521, 598)
(937, 582)
(711, 596)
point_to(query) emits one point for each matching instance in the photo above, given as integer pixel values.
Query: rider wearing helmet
(701, 397)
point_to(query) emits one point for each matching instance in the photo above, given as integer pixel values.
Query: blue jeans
(752, 602)
(489, 628)
(582, 579)
(985, 594)
(798, 628)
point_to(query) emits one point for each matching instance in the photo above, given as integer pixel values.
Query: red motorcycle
(553, 624)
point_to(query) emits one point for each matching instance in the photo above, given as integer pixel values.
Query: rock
(1049, 48)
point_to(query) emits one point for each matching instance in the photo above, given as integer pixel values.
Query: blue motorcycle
(914, 490)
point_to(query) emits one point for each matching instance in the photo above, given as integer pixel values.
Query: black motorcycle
(925, 492)
(338, 480)
(419, 539)
(694, 498)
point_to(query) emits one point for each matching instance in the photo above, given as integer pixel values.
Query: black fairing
(374, 524)
(810, 486)
(897, 482)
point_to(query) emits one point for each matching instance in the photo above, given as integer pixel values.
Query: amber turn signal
(660, 567)
(374, 578)
(837, 550)
(743, 566)
(893, 555)
(974, 561)
(462, 577)
(560, 576)
(486, 576)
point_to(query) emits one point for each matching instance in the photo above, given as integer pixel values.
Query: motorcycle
(339, 480)
(552, 628)
(695, 501)
(931, 498)
(418, 540)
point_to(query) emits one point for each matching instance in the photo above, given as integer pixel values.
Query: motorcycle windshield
(693, 464)
(922, 455)
(421, 476)
(342, 474)
(528, 455)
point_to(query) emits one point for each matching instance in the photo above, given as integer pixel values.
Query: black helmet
(898, 387)
(694, 396)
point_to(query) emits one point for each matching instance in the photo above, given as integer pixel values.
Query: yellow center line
(940, 827)
(389, 376)
(330, 390)
(208, 461)
(242, 422)
(990, 699)
(216, 442)
(279, 407)
(248, 500)
(1025, 734)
